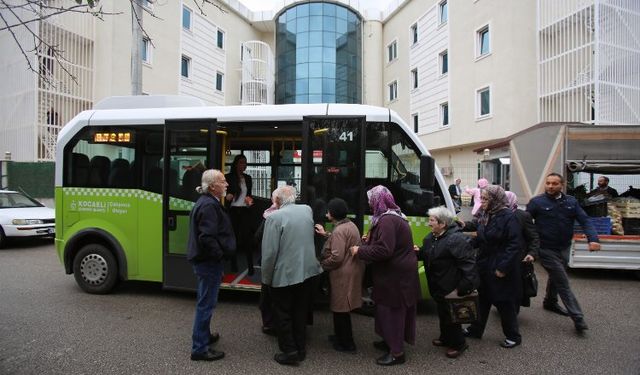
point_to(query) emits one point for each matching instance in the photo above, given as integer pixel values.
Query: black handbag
(462, 309)
(529, 280)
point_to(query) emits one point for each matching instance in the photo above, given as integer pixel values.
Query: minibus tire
(95, 269)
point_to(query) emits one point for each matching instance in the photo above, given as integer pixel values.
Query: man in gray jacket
(288, 266)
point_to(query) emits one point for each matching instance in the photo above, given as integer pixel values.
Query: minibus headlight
(26, 221)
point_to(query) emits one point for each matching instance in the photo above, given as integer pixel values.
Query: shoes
(470, 333)
(437, 342)
(212, 355)
(509, 343)
(291, 358)
(350, 349)
(555, 308)
(455, 353)
(214, 338)
(269, 331)
(389, 360)
(381, 345)
(580, 325)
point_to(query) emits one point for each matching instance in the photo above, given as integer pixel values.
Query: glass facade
(318, 55)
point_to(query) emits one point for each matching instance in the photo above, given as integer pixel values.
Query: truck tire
(95, 269)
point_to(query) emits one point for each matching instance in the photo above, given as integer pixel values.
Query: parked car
(21, 216)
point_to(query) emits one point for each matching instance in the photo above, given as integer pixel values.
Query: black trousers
(508, 317)
(241, 222)
(450, 333)
(342, 328)
(265, 306)
(291, 307)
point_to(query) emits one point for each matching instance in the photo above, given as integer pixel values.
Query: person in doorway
(238, 200)
(554, 213)
(288, 266)
(345, 273)
(604, 189)
(456, 194)
(211, 239)
(388, 247)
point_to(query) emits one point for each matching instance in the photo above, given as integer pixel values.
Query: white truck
(574, 150)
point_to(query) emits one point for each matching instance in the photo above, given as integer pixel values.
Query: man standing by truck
(554, 213)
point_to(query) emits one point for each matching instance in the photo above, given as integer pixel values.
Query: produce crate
(598, 209)
(601, 224)
(631, 226)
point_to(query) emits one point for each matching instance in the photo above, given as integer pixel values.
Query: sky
(268, 4)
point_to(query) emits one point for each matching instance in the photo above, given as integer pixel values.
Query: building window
(220, 39)
(414, 78)
(414, 33)
(444, 12)
(444, 62)
(444, 114)
(414, 117)
(483, 41)
(185, 68)
(218, 81)
(145, 51)
(392, 51)
(186, 18)
(393, 91)
(483, 102)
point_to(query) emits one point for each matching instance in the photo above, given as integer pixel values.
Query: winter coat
(449, 263)
(345, 270)
(210, 233)
(389, 249)
(500, 248)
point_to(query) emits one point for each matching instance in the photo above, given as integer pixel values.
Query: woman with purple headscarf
(475, 194)
(499, 241)
(388, 247)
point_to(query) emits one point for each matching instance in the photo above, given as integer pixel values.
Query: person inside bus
(210, 240)
(388, 247)
(238, 201)
(289, 265)
(450, 266)
(499, 239)
(345, 273)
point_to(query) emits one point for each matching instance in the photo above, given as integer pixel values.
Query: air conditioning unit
(446, 171)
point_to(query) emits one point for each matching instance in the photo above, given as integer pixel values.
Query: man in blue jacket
(211, 238)
(554, 213)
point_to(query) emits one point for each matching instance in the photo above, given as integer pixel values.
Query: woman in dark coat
(499, 241)
(530, 236)
(238, 200)
(388, 247)
(450, 266)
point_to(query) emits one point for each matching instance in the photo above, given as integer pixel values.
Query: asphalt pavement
(49, 326)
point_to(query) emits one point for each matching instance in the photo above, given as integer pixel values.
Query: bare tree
(27, 14)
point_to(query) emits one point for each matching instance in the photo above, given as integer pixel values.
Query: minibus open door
(190, 147)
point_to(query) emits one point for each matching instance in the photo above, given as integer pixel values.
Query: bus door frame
(177, 272)
(307, 160)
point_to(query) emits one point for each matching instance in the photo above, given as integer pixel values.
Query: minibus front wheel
(95, 269)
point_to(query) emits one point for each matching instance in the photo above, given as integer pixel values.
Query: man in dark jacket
(554, 213)
(211, 238)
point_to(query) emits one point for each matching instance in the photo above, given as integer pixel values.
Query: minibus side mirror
(427, 172)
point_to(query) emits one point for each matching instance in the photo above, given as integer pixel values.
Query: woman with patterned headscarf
(388, 247)
(499, 241)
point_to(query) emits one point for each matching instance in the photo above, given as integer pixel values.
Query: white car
(21, 216)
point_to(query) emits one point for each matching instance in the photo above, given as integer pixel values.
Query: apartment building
(465, 75)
